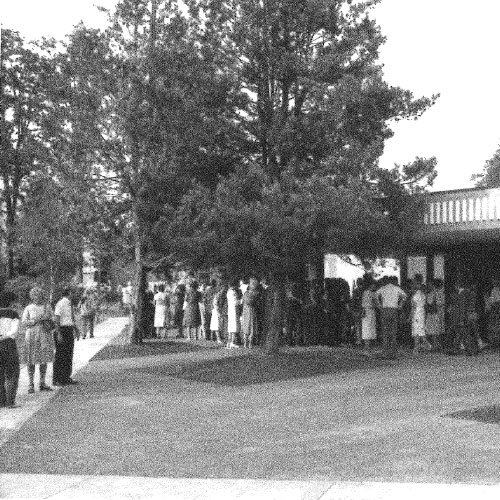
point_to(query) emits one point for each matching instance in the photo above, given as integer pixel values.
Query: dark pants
(466, 335)
(63, 362)
(9, 371)
(88, 325)
(389, 319)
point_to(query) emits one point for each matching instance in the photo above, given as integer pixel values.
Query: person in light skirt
(233, 315)
(369, 315)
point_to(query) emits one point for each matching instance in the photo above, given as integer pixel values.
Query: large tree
(26, 124)
(318, 115)
(166, 115)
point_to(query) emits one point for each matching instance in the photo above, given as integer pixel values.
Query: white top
(418, 300)
(128, 294)
(9, 327)
(63, 310)
(390, 295)
(160, 299)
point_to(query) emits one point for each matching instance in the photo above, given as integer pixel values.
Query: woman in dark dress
(178, 311)
(192, 317)
(249, 321)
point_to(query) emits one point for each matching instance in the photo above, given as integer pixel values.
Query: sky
(450, 47)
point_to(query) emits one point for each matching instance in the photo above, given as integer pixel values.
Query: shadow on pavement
(256, 368)
(484, 414)
(147, 348)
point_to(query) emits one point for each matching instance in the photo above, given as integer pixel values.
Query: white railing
(462, 207)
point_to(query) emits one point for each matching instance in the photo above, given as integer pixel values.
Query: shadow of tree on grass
(256, 368)
(147, 348)
(484, 414)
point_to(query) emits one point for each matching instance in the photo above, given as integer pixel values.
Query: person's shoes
(71, 382)
(44, 387)
(91, 337)
(57, 384)
(31, 390)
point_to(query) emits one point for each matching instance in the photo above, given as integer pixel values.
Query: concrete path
(103, 487)
(12, 419)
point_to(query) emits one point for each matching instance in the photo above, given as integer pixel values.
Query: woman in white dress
(233, 314)
(418, 301)
(161, 307)
(216, 321)
(369, 316)
(39, 347)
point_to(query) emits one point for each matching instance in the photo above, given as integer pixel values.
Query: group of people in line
(435, 321)
(49, 337)
(233, 313)
(227, 313)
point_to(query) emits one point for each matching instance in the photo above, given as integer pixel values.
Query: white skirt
(214, 321)
(369, 325)
(160, 314)
(418, 323)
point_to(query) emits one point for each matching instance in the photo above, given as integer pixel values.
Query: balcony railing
(463, 209)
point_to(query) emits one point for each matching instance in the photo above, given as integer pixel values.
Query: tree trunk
(275, 314)
(140, 282)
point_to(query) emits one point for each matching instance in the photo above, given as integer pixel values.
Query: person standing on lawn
(418, 302)
(368, 314)
(462, 317)
(65, 340)
(161, 311)
(39, 337)
(9, 358)
(249, 321)
(233, 314)
(435, 310)
(390, 297)
(192, 316)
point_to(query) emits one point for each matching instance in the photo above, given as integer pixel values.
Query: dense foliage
(231, 133)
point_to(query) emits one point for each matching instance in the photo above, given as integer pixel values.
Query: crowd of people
(233, 313)
(227, 313)
(376, 312)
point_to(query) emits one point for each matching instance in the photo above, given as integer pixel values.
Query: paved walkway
(12, 420)
(104, 487)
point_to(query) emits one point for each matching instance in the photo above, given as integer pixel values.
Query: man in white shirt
(390, 298)
(65, 341)
(9, 358)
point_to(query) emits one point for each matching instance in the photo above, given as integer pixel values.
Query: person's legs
(91, 325)
(70, 347)
(470, 340)
(58, 365)
(43, 372)
(11, 374)
(3, 392)
(85, 325)
(389, 319)
(31, 376)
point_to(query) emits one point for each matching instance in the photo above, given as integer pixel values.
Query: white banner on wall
(439, 267)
